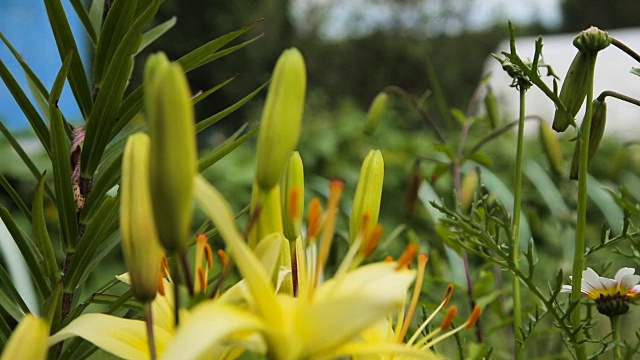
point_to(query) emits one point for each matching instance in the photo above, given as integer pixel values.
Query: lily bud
(491, 107)
(551, 148)
(140, 243)
(281, 117)
(366, 202)
(598, 122)
(468, 189)
(28, 341)
(376, 110)
(173, 157)
(293, 197)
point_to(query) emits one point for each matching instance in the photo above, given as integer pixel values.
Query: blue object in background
(25, 24)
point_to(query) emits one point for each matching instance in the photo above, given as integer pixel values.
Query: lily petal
(124, 338)
(210, 328)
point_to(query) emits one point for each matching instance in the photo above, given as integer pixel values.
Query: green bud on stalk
(140, 243)
(491, 106)
(173, 157)
(598, 123)
(281, 118)
(292, 188)
(368, 195)
(375, 113)
(551, 148)
(574, 89)
(468, 189)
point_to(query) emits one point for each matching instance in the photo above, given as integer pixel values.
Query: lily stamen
(417, 289)
(471, 321)
(443, 303)
(407, 256)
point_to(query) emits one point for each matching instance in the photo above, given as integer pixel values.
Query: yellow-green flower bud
(366, 202)
(293, 197)
(598, 123)
(28, 341)
(173, 157)
(281, 118)
(592, 40)
(468, 189)
(140, 243)
(375, 113)
(573, 91)
(551, 148)
(491, 107)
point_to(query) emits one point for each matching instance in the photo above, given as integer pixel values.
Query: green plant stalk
(617, 354)
(148, 316)
(515, 228)
(581, 225)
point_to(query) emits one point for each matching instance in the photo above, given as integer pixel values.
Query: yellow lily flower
(28, 340)
(318, 323)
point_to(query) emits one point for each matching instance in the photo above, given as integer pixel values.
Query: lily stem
(148, 317)
(515, 228)
(581, 224)
(176, 289)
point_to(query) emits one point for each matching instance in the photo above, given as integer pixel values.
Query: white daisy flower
(610, 295)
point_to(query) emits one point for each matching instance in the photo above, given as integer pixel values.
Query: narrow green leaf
(155, 33)
(217, 117)
(23, 156)
(218, 54)
(27, 108)
(197, 57)
(10, 299)
(83, 15)
(225, 148)
(104, 116)
(106, 247)
(114, 29)
(28, 251)
(101, 226)
(39, 91)
(15, 197)
(201, 96)
(95, 15)
(635, 71)
(109, 177)
(66, 43)
(5, 331)
(41, 235)
(60, 161)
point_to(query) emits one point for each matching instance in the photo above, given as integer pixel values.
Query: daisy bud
(28, 341)
(573, 91)
(366, 202)
(293, 197)
(173, 157)
(491, 107)
(468, 190)
(281, 117)
(140, 244)
(376, 110)
(598, 122)
(551, 148)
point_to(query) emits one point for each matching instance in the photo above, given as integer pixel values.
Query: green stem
(176, 288)
(618, 96)
(617, 354)
(515, 248)
(148, 316)
(581, 225)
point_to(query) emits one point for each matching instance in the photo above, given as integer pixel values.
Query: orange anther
(473, 318)
(202, 278)
(448, 319)
(447, 295)
(223, 257)
(407, 256)
(372, 242)
(161, 289)
(208, 254)
(313, 218)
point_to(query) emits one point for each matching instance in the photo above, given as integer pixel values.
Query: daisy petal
(624, 272)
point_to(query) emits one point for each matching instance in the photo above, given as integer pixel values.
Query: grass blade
(155, 33)
(83, 15)
(41, 235)
(225, 148)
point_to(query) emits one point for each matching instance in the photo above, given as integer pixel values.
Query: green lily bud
(598, 122)
(28, 341)
(551, 148)
(592, 40)
(573, 91)
(468, 189)
(140, 243)
(366, 202)
(281, 117)
(293, 197)
(375, 113)
(173, 157)
(491, 107)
